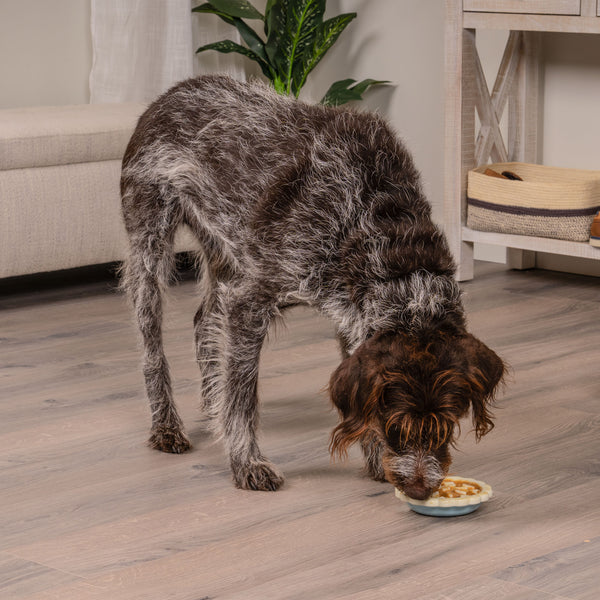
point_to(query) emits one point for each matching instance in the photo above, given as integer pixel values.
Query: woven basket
(549, 202)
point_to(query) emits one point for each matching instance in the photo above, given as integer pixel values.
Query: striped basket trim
(533, 212)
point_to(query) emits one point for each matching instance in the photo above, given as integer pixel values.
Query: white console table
(516, 87)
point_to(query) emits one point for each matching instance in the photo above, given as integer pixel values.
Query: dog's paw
(375, 471)
(258, 476)
(377, 475)
(373, 465)
(169, 440)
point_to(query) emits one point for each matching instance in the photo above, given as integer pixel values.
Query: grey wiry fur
(290, 203)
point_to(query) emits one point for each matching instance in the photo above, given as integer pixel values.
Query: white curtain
(142, 47)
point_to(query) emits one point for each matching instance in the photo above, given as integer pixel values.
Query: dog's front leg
(372, 448)
(246, 318)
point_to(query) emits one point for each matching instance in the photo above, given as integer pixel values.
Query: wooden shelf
(540, 7)
(535, 244)
(551, 23)
(516, 91)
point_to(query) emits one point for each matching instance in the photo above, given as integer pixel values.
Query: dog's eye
(397, 397)
(394, 438)
(430, 431)
(393, 430)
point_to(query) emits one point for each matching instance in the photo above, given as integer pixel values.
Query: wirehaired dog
(299, 203)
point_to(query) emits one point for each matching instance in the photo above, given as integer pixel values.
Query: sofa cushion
(64, 216)
(61, 135)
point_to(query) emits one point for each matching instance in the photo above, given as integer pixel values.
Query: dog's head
(411, 392)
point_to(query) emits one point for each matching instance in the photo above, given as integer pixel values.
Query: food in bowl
(455, 496)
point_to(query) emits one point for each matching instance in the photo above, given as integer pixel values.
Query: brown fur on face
(411, 392)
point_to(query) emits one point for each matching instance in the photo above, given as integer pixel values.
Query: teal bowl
(444, 511)
(443, 506)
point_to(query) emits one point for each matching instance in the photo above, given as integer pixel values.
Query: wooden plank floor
(87, 511)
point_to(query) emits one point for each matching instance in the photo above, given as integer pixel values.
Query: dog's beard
(416, 465)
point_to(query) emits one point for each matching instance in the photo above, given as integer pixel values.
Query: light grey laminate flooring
(87, 511)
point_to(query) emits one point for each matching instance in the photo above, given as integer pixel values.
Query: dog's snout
(418, 474)
(418, 490)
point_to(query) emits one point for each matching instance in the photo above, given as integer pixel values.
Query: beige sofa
(59, 186)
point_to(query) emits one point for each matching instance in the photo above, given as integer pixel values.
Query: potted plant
(295, 40)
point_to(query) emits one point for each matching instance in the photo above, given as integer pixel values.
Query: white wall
(45, 58)
(571, 118)
(571, 123)
(45, 52)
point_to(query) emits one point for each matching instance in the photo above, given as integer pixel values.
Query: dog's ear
(484, 372)
(355, 388)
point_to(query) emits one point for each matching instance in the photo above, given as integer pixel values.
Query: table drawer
(534, 7)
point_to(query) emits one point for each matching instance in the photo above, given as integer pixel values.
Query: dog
(299, 203)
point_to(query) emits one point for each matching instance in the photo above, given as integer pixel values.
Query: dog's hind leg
(207, 334)
(235, 330)
(146, 273)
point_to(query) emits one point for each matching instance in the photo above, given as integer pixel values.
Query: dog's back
(223, 142)
(249, 170)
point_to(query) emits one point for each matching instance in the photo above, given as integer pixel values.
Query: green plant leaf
(279, 85)
(293, 26)
(227, 46)
(308, 35)
(337, 91)
(343, 91)
(209, 8)
(297, 38)
(365, 84)
(270, 4)
(237, 8)
(275, 28)
(252, 39)
(328, 33)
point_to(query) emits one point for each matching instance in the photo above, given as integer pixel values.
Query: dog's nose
(417, 490)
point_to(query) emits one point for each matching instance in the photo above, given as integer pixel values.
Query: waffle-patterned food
(454, 491)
